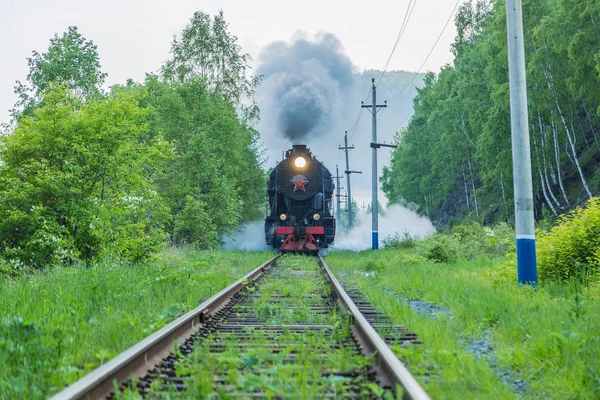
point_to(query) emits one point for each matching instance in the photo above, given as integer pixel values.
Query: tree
(454, 158)
(215, 182)
(83, 172)
(71, 60)
(207, 50)
(74, 181)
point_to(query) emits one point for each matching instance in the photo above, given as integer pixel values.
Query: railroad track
(279, 332)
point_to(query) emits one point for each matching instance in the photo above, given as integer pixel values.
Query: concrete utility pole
(521, 154)
(338, 214)
(348, 172)
(374, 209)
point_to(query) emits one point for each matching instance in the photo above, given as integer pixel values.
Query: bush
(441, 248)
(505, 273)
(194, 225)
(396, 241)
(571, 248)
(499, 239)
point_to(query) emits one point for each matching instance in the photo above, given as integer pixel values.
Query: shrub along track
(286, 330)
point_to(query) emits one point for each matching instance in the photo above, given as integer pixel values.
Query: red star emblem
(299, 182)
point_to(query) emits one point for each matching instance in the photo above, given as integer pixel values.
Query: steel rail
(391, 370)
(135, 361)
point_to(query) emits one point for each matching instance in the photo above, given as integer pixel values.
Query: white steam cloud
(397, 219)
(248, 237)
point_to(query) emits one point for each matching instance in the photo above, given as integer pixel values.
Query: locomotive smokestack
(299, 149)
(307, 81)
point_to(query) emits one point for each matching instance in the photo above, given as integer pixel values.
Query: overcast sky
(133, 36)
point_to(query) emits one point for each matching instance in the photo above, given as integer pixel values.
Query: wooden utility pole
(348, 172)
(338, 214)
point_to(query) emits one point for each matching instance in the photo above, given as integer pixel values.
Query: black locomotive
(300, 191)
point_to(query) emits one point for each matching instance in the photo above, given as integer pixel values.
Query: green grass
(548, 338)
(58, 325)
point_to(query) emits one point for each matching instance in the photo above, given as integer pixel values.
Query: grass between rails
(284, 364)
(548, 338)
(57, 326)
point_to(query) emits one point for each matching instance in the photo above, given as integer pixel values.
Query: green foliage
(74, 181)
(476, 239)
(571, 249)
(194, 224)
(454, 158)
(441, 248)
(58, 325)
(372, 266)
(207, 50)
(499, 239)
(467, 241)
(71, 60)
(216, 181)
(504, 273)
(406, 241)
(83, 173)
(23, 346)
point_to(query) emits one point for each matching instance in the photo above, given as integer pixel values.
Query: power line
(409, 10)
(359, 115)
(407, 16)
(356, 124)
(432, 48)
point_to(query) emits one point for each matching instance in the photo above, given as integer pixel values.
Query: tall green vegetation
(571, 249)
(74, 181)
(59, 325)
(454, 158)
(207, 50)
(70, 60)
(216, 181)
(171, 160)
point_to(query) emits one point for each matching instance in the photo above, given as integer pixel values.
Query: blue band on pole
(375, 240)
(526, 264)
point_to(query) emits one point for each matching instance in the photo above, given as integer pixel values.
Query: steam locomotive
(300, 191)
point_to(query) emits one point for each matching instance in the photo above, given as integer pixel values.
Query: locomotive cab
(300, 191)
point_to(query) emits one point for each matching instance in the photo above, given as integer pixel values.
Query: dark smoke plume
(308, 81)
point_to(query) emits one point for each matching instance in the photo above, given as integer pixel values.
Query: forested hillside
(173, 159)
(454, 159)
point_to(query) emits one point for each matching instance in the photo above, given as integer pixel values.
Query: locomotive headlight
(316, 217)
(282, 217)
(300, 162)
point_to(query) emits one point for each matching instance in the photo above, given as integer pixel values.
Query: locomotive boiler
(300, 191)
